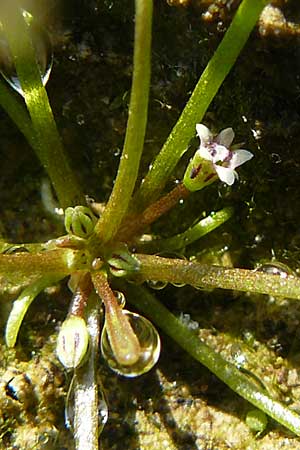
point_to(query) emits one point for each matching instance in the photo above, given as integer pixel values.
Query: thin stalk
(86, 430)
(192, 234)
(21, 305)
(205, 276)
(224, 370)
(17, 112)
(124, 184)
(135, 225)
(207, 87)
(46, 141)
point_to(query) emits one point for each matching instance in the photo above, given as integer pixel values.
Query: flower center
(220, 153)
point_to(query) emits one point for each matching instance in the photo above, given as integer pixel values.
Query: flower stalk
(135, 224)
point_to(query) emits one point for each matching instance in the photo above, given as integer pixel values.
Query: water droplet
(69, 408)
(44, 54)
(149, 341)
(276, 268)
(156, 284)
(179, 285)
(120, 298)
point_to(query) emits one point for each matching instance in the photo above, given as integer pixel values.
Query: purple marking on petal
(221, 153)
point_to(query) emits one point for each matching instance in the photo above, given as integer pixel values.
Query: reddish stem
(135, 224)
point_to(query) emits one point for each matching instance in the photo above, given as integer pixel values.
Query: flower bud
(72, 342)
(80, 221)
(122, 262)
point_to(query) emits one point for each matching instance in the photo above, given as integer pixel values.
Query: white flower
(217, 150)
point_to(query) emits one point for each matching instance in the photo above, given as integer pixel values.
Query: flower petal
(239, 157)
(204, 134)
(205, 153)
(225, 137)
(225, 174)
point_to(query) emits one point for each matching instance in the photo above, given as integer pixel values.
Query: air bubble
(43, 49)
(149, 342)
(276, 268)
(120, 298)
(157, 284)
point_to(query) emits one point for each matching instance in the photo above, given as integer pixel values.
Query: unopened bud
(80, 221)
(122, 262)
(72, 342)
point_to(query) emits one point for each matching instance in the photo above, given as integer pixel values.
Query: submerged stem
(224, 370)
(17, 112)
(124, 184)
(20, 307)
(27, 268)
(45, 141)
(192, 234)
(208, 85)
(205, 276)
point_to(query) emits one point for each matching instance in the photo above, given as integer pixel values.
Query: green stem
(208, 85)
(21, 305)
(124, 184)
(17, 112)
(25, 268)
(46, 141)
(224, 370)
(192, 234)
(205, 276)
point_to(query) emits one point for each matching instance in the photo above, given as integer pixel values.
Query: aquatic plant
(106, 246)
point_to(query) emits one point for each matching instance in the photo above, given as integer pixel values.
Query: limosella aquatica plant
(111, 244)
